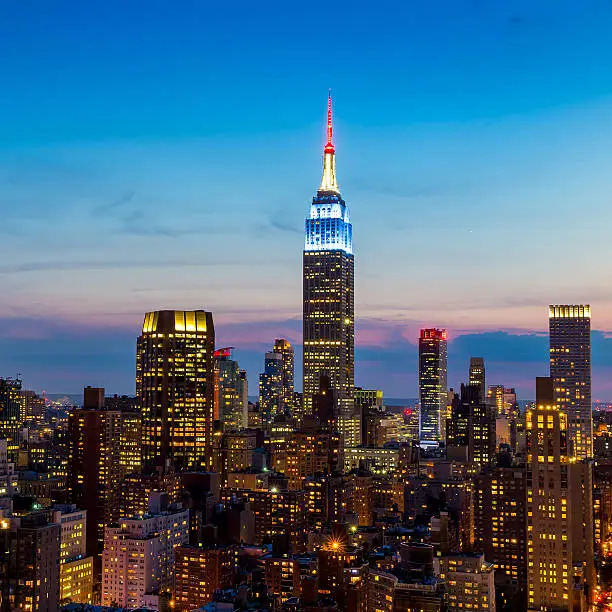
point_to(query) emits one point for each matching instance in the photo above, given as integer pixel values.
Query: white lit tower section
(329, 310)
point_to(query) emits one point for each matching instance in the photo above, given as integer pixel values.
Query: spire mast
(329, 182)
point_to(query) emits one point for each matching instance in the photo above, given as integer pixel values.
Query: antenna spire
(329, 147)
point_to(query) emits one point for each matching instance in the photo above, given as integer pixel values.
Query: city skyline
(475, 146)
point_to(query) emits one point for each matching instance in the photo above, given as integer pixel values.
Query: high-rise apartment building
(284, 348)
(139, 557)
(30, 553)
(432, 383)
(328, 299)
(469, 582)
(231, 400)
(477, 377)
(560, 554)
(199, 572)
(104, 446)
(76, 568)
(501, 531)
(271, 387)
(570, 368)
(175, 383)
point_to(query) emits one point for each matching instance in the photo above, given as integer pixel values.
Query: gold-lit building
(175, 387)
(560, 554)
(570, 368)
(76, 569)
(328, 298)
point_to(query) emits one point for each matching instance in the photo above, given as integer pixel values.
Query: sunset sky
(163, 155)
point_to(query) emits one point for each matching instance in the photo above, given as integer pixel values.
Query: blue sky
(163, 154)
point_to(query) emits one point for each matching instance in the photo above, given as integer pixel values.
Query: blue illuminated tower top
(329, 226)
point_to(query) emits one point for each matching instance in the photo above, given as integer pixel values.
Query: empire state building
(329, 309)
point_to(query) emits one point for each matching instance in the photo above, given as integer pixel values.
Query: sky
(158, 154)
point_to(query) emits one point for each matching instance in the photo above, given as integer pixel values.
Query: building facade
(328, 285)
(560, 553)
(432, 384)
(175, 388)
(570, 368)
(284, 348)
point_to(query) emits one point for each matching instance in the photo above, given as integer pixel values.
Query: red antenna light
(329, 147)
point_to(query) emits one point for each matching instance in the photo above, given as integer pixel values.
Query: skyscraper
(284, 348)
(175, 388)
(570, 368)
(271, 387)
(559, 510)
(229, 388)
(432, 383)
(477, 377)
(328, 299)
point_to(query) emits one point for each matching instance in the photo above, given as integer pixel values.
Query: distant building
(10, 414)
(284, 348)
(504, 399)
(471, 428)
(432, 383)
(477, 377)
(175, 388)
(570, 368)
(271, 387)
(231, 390)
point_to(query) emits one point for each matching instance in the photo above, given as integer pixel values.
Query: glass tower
(570, 367)
(432, 383)
(328, 299)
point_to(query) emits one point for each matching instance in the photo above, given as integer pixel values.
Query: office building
(432, 384)
(8, 477)
(231, 391)
(477, 377)
(560, 572)
(271, 387)
(175, 387)
(570, 368)
(328, 298)
(284, 348)
(10, 414)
